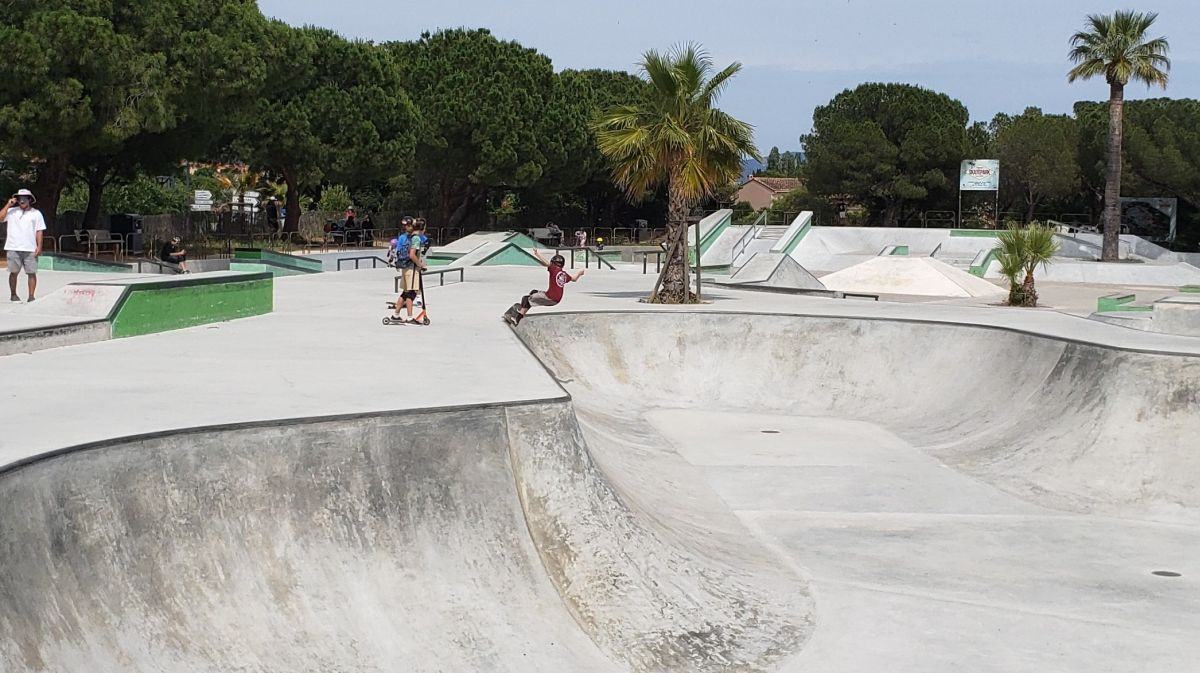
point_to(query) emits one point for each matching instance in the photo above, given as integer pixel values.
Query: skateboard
(513, 315)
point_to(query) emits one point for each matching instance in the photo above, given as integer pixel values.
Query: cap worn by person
(26, 193)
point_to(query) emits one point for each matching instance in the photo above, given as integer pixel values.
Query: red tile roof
(778, 184)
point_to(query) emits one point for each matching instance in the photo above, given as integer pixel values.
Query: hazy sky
(993, 55)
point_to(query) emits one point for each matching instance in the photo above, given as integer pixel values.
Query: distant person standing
(272, 211)
(556, 233)
(580, 238)
(23, 243)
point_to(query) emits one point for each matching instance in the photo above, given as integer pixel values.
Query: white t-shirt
(22, 227)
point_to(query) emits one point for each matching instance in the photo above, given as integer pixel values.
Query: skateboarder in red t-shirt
(553, 294)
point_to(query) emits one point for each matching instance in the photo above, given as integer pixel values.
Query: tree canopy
(1037, 155)
(495, 117)
(81, 80)
(891, 147)
(332, 110)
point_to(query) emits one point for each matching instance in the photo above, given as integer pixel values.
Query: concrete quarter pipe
(721, 492)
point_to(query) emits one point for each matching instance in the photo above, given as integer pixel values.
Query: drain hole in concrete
(1166, 573)
(770, 432)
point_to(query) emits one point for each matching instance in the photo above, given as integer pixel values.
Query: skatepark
(768, 481)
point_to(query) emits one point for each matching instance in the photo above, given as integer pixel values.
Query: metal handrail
(375, 261)
(587, 256)
(752, 234)
(440, 273)
(658, 257)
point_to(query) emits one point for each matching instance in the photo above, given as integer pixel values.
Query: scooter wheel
(425, 321)
(387, 321)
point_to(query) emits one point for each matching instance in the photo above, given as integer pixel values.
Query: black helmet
(406, 220)
(558, 260)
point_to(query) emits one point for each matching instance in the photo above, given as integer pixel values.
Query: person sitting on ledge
(174, 253)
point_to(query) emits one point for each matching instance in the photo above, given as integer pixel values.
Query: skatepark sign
(979, 175)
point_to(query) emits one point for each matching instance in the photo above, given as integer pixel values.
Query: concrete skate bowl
(958, 497)
(482, 539)
(685, 509)
(1070, 426)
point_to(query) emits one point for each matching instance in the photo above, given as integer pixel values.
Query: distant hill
(749, 166)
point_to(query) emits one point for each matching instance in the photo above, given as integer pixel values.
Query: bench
(103, 238)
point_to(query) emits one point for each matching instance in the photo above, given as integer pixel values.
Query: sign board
(979, 175)
(1151, 218)
(203, 196)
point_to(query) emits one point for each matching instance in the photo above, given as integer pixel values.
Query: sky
(993, 55)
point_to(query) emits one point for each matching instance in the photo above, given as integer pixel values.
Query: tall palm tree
(1117, 47)
(676, 136)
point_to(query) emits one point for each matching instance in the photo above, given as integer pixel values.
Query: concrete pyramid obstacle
(910, 275)
(775, 269)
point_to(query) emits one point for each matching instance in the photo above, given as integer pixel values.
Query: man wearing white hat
(24, 240)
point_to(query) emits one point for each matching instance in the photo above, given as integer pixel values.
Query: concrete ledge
(139, 306)
(54, 336)
(57, 261)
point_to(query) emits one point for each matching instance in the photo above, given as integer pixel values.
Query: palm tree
(1117, 47)
(675, 136)
(1021, 251)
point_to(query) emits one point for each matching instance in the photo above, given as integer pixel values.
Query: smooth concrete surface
(1007, 519)
(912, 276)
(776, 270)
(939, 487)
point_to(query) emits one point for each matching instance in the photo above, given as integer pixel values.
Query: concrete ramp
(910, 275)
(1117, 273)
(773, 269)
(940, 483)
(461, 540)
(497, 253)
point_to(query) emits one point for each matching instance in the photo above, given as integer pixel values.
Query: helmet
(558, 260)
(406, 220)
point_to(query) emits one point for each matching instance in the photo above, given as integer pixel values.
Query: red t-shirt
(558, 280)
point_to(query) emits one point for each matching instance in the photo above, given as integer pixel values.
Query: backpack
(403, 245)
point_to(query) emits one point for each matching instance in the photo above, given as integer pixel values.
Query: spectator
(580, 238)
(174, 253)
(272, 210)
(24, 240)
(556, 234)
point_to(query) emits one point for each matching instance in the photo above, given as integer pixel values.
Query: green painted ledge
(277, 270)
(980, 270)
(976, 233)
(1190, 289)
(900, 250)
(1119, 302)
(159, 307)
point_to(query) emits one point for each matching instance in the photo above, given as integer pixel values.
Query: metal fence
(217, 235)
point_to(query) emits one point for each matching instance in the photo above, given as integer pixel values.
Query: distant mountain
(749, 166)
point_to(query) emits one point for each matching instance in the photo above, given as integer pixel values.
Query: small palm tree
(1117, 47)
(676, 136)
(1020, 252)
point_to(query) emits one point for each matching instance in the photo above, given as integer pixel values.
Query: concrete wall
(483, 539)
(1063, 425)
